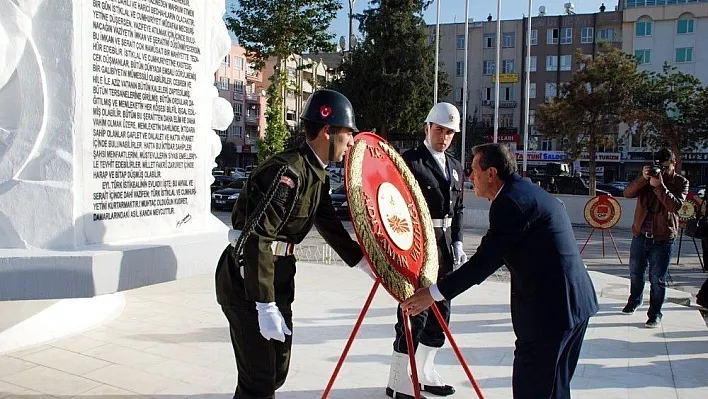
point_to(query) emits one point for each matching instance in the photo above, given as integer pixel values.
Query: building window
(489, 40)
(290, 116)
(508, 39)
(684, 26)
(551, 63)
(227, 60)
(508, 66)
(460, 40)
(642, 28)
(238, 63)
(566, 62)
(488, 67)
(643, 56)
(684, 54)
(460, 68)
(223, 83)
(487, 120)
(534, 37)
(488, 94)
(551, 91)
(587, 35)
(238, 109)
(532, 116)
(237, 132)
(238, 86)
(552, 36)
(532, 90)
(507, 93)
(532, 68)
(607, 34)
(458, 95)
(567, 36)
(224, 134)
(506, 120)
(547, 144)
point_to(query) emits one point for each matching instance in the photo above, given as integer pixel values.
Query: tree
(591, 106)
(670, 111)
(389, 78)
(278, 29)
(227, 156)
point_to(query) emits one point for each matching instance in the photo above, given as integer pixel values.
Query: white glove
(366, 267)
(459, 255)
(271, 322)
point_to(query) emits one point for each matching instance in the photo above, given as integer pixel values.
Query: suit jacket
(443, 196)
(530, 232)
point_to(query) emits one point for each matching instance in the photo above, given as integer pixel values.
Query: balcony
(253, 75)
(253, 97)
(238, 95)
(252, 119)
(502, 104)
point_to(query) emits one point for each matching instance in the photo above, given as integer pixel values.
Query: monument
(106, 144)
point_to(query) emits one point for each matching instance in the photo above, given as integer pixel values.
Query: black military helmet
(330, 108)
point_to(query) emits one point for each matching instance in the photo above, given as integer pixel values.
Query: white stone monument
(106, 144)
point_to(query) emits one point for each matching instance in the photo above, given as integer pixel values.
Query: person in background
(655, 227)
(441, 181)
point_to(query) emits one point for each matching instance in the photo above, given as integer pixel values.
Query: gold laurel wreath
(392, 279)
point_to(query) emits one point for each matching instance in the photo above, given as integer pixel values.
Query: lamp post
(464, 83)
(437, 53)
(351, 23)
(528, 94)
(497, 68)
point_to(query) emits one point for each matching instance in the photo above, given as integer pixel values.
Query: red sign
(390, 216)
(246, 148)
(602, 212)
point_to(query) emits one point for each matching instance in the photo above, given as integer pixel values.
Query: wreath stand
(409, 341)
(614, 244)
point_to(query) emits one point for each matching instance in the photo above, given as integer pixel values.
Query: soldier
(440, 177)
(283, 198)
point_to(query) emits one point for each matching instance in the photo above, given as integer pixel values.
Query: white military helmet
(445, 115)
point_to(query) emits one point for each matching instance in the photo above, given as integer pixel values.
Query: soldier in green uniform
(283, 198)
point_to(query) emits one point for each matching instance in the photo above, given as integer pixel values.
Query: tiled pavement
(171, 341)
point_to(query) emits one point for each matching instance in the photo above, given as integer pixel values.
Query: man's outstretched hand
(420, 301)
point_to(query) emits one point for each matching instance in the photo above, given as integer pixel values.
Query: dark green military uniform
(301, 200)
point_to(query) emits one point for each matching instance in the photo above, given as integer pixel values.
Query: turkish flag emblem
(325, 111)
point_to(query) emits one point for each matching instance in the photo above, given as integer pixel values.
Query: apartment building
(673, 32)
(245, 88)
(554, 40)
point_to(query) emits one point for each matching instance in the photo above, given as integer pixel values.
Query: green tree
(670, 111)
(278, 29)
(389, 78)
(591, 106)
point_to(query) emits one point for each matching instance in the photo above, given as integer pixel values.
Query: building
(554, 40)
(673, 32)
(243, 86)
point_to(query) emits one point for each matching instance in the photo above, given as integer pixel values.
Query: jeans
(657, 255)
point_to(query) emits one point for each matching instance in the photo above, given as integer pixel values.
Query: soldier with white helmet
(440, 177)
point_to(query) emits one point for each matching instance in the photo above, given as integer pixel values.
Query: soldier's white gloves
(366, 267)
(459, 255)
(271, 322)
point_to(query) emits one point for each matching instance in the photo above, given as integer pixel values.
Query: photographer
(660, 192)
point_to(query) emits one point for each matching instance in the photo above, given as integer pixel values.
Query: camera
(656, 169)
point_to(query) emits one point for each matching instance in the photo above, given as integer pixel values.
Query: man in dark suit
(552, 296)
(440, 178)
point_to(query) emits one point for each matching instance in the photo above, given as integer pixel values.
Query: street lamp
(351, 22)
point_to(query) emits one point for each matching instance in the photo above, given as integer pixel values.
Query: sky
(454, 10)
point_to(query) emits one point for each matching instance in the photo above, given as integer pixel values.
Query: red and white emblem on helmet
(325, 111)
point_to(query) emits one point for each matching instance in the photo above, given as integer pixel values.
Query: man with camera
(660, 192)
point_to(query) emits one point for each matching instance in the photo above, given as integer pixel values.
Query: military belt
(443, 223)
(279, 248)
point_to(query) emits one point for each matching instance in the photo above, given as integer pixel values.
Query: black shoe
(653, 322)
(389, 393)
(444, 390)
(629, 309)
